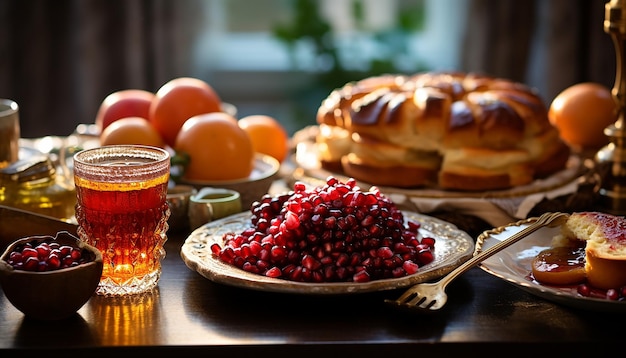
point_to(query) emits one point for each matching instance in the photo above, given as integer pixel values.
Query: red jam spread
(560, 266)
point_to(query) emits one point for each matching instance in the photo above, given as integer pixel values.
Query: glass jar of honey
(33, 184)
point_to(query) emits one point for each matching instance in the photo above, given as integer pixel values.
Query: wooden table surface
(188, 313)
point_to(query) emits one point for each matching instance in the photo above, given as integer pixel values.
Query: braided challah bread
(449, 130)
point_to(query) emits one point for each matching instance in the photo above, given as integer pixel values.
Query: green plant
(307, 25)
(339, 63)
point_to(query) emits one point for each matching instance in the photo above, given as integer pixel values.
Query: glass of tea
(122, 210)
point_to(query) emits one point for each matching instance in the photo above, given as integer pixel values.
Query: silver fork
(428, 297)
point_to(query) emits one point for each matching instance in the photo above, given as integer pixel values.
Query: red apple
(122, 104)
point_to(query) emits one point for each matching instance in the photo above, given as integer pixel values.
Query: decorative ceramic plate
(309, 170)
(251, 188)
(452, 247)
(264, 167)
(513, 264)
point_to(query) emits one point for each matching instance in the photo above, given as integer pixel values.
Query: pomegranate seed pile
(47, 255)
(332, 233)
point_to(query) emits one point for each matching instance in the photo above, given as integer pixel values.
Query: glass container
(33, 184)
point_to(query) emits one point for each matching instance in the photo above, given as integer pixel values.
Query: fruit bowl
(48, 292)
(250, 188)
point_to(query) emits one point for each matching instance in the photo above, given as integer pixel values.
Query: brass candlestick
(611, 160)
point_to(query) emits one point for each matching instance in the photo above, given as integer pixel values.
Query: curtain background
(59, 59)
(549, 44)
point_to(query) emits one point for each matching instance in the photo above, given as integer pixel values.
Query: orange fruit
(217, 148)
(131, 130)
(178, 100)
(267, 134)
(581, 113)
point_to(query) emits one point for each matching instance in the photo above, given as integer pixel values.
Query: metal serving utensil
(428, 297)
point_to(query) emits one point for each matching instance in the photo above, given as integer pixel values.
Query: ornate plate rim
(197, 255)
(513, 265)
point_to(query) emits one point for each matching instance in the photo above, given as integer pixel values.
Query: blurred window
(410, 35)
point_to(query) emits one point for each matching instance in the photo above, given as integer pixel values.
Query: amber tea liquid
(122, 210)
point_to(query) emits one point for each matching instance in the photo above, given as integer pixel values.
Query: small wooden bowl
(56, 294)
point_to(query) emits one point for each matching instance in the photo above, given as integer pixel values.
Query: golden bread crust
(440, 113)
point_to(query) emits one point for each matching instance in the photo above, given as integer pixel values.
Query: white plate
(309, 170)
(513, 264)
(452, 247)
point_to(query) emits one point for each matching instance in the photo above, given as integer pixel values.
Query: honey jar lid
(32, 168)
